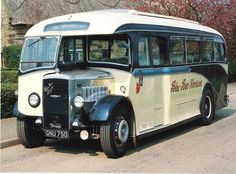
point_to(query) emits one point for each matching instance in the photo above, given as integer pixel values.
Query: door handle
(141, 78)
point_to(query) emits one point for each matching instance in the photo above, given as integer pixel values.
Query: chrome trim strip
(158, 71)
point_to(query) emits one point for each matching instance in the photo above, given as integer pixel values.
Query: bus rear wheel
(114, 134)
(207, 108)
(29, 135)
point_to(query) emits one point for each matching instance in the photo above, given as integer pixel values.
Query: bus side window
(143, 52)
(71, 51)
(193, 51)
(158, 50)
(219, 53)
(79, 52)
(207, 51)
(177, 50)
(99, 50)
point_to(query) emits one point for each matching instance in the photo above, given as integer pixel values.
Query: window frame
(55, 63)
(148, 51)
(148, 36)
(208, 39)
(193, 38)
(108, 38)
(224, 51)
(187, 36)
(184, 51)
(166, 53)
(73, 65)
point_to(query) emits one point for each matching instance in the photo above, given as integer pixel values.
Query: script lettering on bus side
(176, 87)
(184, 85)
(195, 84)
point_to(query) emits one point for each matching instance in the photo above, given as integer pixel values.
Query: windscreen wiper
(41, 38)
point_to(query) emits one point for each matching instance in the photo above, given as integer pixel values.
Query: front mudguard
(16, 112)
(102, 109)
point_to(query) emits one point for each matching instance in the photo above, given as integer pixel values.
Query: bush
(11, 55)
(232, 72)
(8, 86)
(9, 76)
(8, 99)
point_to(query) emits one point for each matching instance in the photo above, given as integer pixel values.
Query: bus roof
(107, 22)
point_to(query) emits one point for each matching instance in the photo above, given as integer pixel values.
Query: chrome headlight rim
(78, 102)
(37, 103)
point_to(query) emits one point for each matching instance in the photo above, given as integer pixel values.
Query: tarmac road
(189, 148)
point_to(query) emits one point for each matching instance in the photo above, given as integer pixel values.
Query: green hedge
(8, 99)
(232, 72)
(8, 86)
(11, 55)
(9, 76)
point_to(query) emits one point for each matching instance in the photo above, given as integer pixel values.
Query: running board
(162, 128)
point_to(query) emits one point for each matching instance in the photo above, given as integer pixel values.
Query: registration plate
(56, 133)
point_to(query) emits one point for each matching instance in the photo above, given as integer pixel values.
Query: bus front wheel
(114, 134)
(29, 135)
(207, 108)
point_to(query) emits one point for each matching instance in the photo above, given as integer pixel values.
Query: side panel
(161, 90)
(120, 82)
(144, 103)
(195, 88)
(27, 84)
(222, 78)
(166, 97)
(217, 75)
(172, 94)
(178, 97)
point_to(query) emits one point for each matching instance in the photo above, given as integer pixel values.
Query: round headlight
(34, 100)
(78, 102)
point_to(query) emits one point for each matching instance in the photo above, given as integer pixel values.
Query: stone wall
(4, 25)
(11, 34)
(17, 33)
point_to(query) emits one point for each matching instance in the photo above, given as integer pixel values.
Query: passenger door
(147, 99)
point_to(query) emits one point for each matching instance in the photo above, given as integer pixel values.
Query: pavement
(8, 125)
(8, 132)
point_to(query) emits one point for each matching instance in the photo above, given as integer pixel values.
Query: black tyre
(207, 108)
(114, 135)
(29, 135)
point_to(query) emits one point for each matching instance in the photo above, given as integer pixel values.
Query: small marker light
(84, 135)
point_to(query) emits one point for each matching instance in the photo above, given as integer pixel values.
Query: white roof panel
(107, 21)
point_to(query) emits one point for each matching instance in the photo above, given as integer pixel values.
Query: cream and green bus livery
(117, 76)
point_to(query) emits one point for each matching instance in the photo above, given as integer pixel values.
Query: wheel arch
(102, 109)
(208, 86)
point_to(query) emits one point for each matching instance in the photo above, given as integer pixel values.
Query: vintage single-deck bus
(117, 75)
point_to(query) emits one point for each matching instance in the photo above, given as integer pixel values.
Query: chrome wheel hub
(207, 107)
(121, 131)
